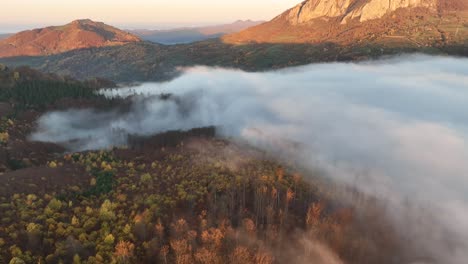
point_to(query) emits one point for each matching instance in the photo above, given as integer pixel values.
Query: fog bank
(396, 128)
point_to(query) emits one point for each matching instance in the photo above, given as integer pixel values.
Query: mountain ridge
(350, 21)
(5, 35)
(83, 33)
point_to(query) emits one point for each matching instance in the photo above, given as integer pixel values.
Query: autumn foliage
(184, 205)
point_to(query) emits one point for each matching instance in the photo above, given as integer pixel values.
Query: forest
(183, 205)
(28, 88)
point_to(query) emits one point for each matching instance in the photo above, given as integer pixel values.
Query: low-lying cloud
(395, 128)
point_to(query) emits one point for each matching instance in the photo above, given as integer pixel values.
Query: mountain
(229, 28)
(57, 39)
(415, 22)
(283, 42)
(4, 35)
(193, 34)
(363, 10)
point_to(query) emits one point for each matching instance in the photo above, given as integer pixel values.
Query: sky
(25, 14)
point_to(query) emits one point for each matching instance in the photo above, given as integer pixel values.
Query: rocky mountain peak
(363, 10)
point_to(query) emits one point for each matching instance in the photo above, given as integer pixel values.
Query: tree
(163, 253)
(4, 136)
(76, 259)
(205, 256)
(313, 216)
(109, 239)
(182, 251)
(124, 252)
(16, 260)
(212, 238)
(240, 255)
(16, 76)
(249, 226)
(263, 257)
(106, 212)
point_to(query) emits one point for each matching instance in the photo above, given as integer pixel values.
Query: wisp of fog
(394, 128)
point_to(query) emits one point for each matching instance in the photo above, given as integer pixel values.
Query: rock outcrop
(375, 9)
(363, 10)
(52, 40)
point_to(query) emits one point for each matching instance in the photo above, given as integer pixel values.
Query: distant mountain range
(192, 34)
(313, 31)
(78, 34)
(5, 35)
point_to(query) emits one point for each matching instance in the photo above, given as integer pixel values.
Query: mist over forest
(394, 128)
(334, 132)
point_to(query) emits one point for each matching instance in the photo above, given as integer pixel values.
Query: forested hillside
(28, 88)
(185, 198)
(154, 62)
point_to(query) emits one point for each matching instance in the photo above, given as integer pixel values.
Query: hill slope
(418, 22)
(57, 39)
(145, 61)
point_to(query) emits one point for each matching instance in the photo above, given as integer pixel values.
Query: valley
(333, 132)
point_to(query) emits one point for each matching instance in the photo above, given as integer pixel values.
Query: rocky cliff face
(75, 35)
(374, 9)
(351, 9)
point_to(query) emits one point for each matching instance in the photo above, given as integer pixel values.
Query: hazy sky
(23, 14)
